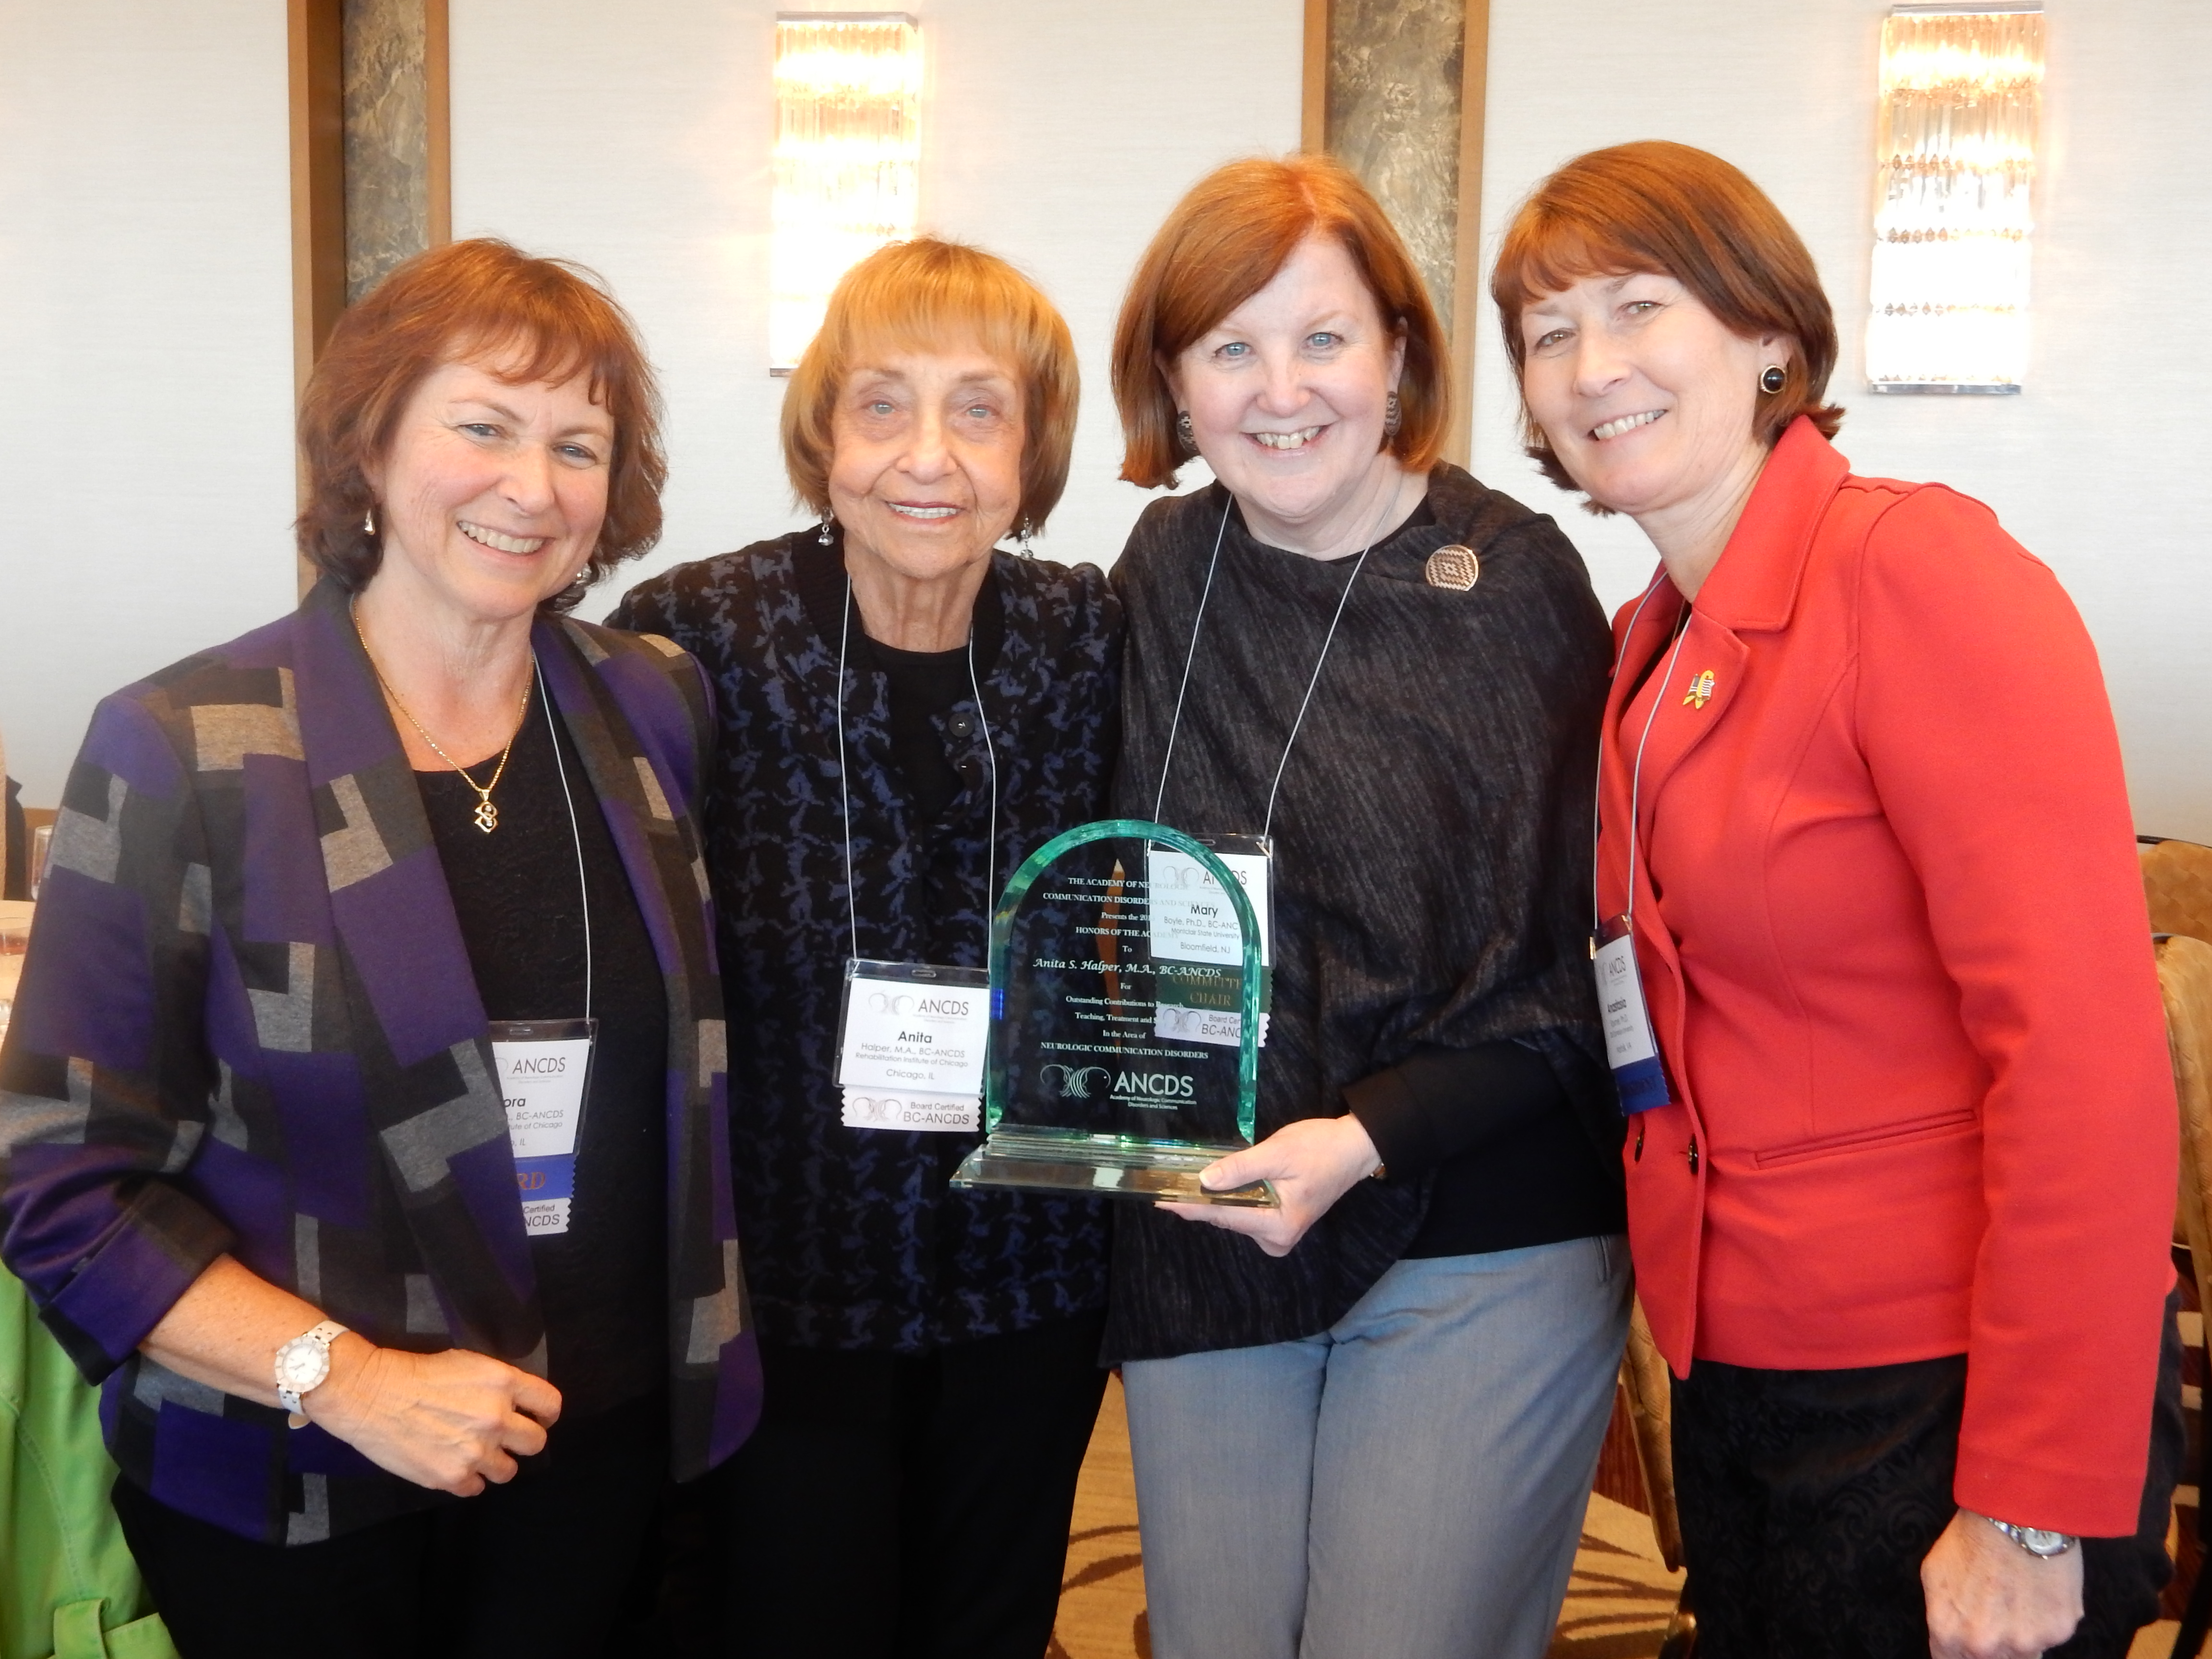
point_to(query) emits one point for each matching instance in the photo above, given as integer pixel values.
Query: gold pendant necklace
(486, 815)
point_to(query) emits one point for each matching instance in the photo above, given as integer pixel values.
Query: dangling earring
(1393, 414)
(1184, 435)
(1771, 378)
(1023, 538)
(825, 538)
(368, 521)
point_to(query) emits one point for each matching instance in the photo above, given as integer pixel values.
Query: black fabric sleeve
(1439, 1102)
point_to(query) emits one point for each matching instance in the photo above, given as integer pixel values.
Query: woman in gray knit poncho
(1368, 1427)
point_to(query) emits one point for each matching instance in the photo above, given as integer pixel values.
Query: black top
(924, 686)
(853, 1237)
(938, 746)
(1430, 889)
(602, 1284)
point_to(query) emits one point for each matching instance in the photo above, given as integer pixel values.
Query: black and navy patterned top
(852, 1238)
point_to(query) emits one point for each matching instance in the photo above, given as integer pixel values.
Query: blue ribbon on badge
(1643, 1086)
(539, 1178)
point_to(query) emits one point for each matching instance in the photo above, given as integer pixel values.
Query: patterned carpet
(1617, 1605)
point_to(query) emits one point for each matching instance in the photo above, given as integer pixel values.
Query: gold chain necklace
(486, 815)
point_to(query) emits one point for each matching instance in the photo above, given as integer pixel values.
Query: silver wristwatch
(304, 1362)
(2036, 1540)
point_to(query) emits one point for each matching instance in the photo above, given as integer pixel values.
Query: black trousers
(1809, 1499)
(915, 1507)
(531, 1570)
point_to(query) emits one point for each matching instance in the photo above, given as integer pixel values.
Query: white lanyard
(1636, 773)
(912, 1036)
(1190, 656)
(1182, 893)
(1631, 1050)
(845, 794)
(544, 1065)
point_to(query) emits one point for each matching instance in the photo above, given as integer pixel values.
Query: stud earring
(825, 538)
(1393, 415)
(1184, 435)
(1772, 378)
(369, 522)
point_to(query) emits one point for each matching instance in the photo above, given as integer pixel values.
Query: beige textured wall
(2098, 466)
(387, 139)
(1394, 108)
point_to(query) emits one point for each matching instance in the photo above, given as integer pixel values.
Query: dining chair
(2177, 883)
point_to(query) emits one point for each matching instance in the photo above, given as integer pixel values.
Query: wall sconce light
(1961, 91)
(847, 156)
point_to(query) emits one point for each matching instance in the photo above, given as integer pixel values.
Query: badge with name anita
(544, 1067)
(910, 1045)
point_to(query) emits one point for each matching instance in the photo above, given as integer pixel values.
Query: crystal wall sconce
(1961, 92)
(847, 157)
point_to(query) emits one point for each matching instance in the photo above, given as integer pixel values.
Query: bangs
(942, 307)
(527, 351)
(1551, 253)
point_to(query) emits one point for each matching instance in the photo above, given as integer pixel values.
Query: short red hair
(1224, 242)
(487, 302)
(1680, 212)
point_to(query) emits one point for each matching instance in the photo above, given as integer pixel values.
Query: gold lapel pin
(1701, 690)
(1455, 568)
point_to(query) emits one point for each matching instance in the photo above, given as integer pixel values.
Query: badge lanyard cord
(1636, 774)
(583, 887)
(1312, 682)
(844, 786)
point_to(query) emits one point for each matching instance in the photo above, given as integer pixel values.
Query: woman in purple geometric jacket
(300, 1150)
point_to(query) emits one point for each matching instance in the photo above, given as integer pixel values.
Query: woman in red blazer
(1900, 1201)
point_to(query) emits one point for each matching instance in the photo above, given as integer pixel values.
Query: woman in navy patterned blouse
(904, 707)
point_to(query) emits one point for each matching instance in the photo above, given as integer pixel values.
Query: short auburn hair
(1674, 211)
(927, 295)
(526, 320)
(1224, 242)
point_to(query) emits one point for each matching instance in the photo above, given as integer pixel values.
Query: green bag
(68, 1589)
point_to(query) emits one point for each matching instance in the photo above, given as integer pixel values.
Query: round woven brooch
(1455, 568)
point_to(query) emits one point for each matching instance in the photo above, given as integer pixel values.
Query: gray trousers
(1409, 1484)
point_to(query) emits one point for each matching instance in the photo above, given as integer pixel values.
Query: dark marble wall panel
(387, 138)
(1394, 116)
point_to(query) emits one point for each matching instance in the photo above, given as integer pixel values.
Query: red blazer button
(1693, 1154)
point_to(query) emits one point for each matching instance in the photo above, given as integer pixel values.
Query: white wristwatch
(2037, 1541)
(304, 1362)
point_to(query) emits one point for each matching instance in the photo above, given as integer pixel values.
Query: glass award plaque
(1123, 1055)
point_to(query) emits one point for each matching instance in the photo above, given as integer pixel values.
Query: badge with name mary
(1194, 924)
(1630, 1048)
(544, 1067)
(910, 1045)
(1091, 1089)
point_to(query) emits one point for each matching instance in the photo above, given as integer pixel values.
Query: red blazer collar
(1754, 586)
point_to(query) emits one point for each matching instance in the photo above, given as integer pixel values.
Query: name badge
(910, 1045)
(1630, 1048)
(1193, 923)
(544, 1067)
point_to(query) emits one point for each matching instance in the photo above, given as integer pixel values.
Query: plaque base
(1104, 1166)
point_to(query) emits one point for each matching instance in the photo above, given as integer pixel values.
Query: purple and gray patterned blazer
(248, 1025)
